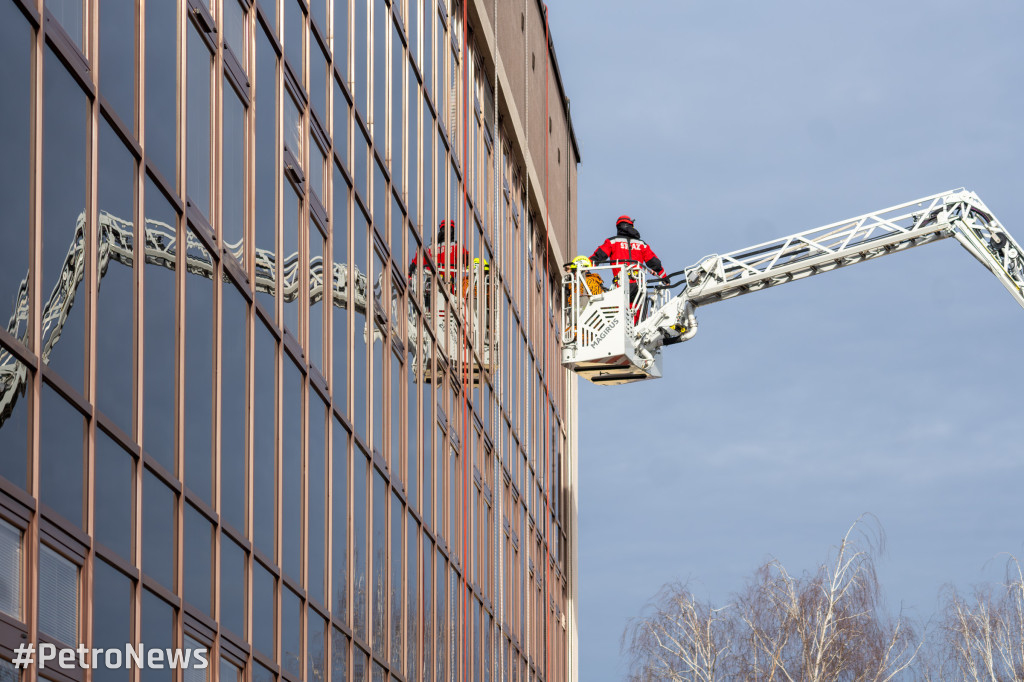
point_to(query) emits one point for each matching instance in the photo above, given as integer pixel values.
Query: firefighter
(626, 247)
(446, 252)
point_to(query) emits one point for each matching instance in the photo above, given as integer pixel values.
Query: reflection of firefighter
(446, 253)
(591, 280)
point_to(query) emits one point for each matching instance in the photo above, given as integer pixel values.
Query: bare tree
(678, 638)
(825, 626)
(982, 638)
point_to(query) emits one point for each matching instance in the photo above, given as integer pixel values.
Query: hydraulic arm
(652, 319)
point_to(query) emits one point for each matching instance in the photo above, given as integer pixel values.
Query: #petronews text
(141, 658)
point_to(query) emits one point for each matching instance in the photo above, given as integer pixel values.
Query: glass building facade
(232, 415)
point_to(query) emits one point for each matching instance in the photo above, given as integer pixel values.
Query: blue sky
(890, 387)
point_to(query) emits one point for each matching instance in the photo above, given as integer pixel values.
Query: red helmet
(624, 219)
(445, 223)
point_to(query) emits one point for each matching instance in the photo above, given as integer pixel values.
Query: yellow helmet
(580, 262)
(476, 264)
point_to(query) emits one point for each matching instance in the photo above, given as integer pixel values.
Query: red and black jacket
(627, 247)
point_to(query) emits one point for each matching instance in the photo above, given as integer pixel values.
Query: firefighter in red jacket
(624, 248)
(446, 253)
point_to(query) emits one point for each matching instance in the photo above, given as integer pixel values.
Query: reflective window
(61, 462)
(198, 559)
(192, 672)
(117, 57)
(114, 482)
(341, 38)
(316, 494)
(115, 237)
(378, 416)
(161, 87)
(397, 556)
(340, 316)
(234, 332)
(290, 265)
(111, 618)
(318, 75)
(317, 161)
(264, 435)
(160, 328)
(340, 521)
(69, 14)
(234, 30)
(359, 525)
(291, 633)
(200, 63)
(232, 586)
(412, 582)
(319, 288)
(412, 126)
(263, 610)
(360, 155)
(14, 393)
(15, 176)
(293, 136)
(427, 430)
(157, 633)
(395, 420)
(291, 471)
(65, 126)
(158, 530)
(360, 664)
(339, 656)
(233, 176)
(428, 606)
(266, 168)
(342, 119)
(360, 235)
(397, 108)
(228, 672)
(316, 634)
(378, 117)
(412, 428)
(428, 47)
(10, 570)
(199, 370)
(379, 556)
(58, 596)
(294, 28)
(360, 71)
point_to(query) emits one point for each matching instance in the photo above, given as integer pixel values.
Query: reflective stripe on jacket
(621, 250)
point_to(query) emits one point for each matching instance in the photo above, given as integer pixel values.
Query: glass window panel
(199, 373)
(340, 519)
(380, 567)
(160, 329)
(16, 198)
(395, 236)
(360, 155)
(294, 27)
(359, 552)
(428, 606)
(234, 332)
(427, 431)
(317, 161)
(339, 656)
(113, 496)
(261, 674)
(397, 108)
(397, 561)
(266, 169)
(232, 586)
(10, 570)
(359, 660)
(412, 126)
(378, 672)
(318, 75)
(316, 661)
(111, 618)
(428, 46)
(228, 672)
(379, 117)
(157, 633)
(316, 494)
(158, 530)
(65, 126)
(198, 559)
(69, 14)
(342, 119)
(428, 173)
(161, 142)
(412, 427)
(360, 369)
(58, 596)
(412, 582)
(263, 610)
(341, 37)
(395, 422)
(293, 128)
(380, 200)
(340, 317)
(290, 260)
(291, 471)
(115, 239)
(117, 57)
(360, 62)
(234, 30)
(378, 415)
(192, 672)
(200, 63)
(264, 436)
(291, 633)
(61, 463)
(233, 176)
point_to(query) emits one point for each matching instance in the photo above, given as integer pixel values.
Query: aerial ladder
(611, 337)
